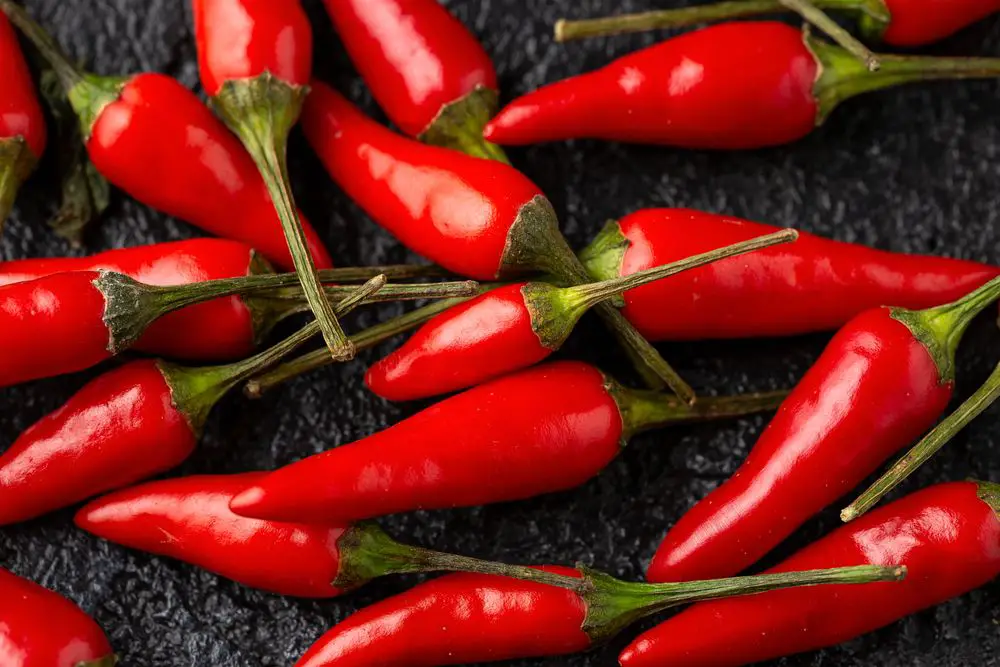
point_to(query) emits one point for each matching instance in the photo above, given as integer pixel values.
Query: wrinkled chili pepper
(896, 22)
(461, 619)
(729, 86)
(130, 122)
(40, 628)
(546, 429)
(948, 535)
(929, 445)
(66, 322)
(511, 328)
(814, 284)
(131, 423)
(478, 218)
(22, 124)
(425, 68)
(255, 59)
(884, 379)
(329, 560)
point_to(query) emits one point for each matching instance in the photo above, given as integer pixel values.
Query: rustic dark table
(910, 170)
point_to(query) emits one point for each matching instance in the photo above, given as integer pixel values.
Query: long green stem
(984, 397)
(846, 40)
(367, 553)
(363, 340)
(843, 77)
(589, 295)
(874, 10)
(645, 410)
(262, 112)
(389, 293)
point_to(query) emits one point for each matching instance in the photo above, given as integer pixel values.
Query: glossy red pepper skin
(458, 619)
(216, 330)
(40, 628)
(873, 391)
(242, 39)
(948, 537)
(20, 113)
(814, 284)
(414, 55)
(34, 319)
(120, 428)
(282, 558)
(213, 182)
(545, 429)
(477, 341)
(919, 22)
(451, 208)
(729, 86)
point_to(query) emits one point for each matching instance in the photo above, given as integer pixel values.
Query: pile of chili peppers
(512, 424)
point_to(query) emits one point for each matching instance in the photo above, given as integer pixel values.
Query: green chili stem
(984, 397)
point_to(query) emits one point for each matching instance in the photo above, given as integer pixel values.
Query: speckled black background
(910, 170)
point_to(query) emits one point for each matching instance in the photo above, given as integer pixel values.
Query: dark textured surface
(912, 170)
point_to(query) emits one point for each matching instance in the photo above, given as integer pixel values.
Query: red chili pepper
(22, 124)
(229, 328)
(728, 86)
(426, 70)
(329, 560)
(815, 284)
(478, 218)
(545, 429)
(133, 422)
(461, 619)
(884, 379)
(511, 328)
(948, 536)
(129, 123)
(255, 58)
(896, 22)
(40, 628)
(67, 322)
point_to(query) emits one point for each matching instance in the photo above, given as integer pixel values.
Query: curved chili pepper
(542, 430)
(461, 619)
(255, 59)
(948, 535)
(143, 418)
(229, 328)
(478, 218)
(130, 122)
(931, 443)
(426, 70)
(815, 284)
(896, 22)
(729, 86)
(22, 125)
(884, 379)
(511, 328)
(329, 560)
(40, 628)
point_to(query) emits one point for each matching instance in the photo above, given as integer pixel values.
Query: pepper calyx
(194, 391)
(17, 161)
(941, 329)
(989, 493)
(874, 18)
(605, 256)
(459, 125)
(367, 552)
(91, 95)
(552, 315)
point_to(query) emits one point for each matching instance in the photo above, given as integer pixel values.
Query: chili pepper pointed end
(16, 163)
(460, 125)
